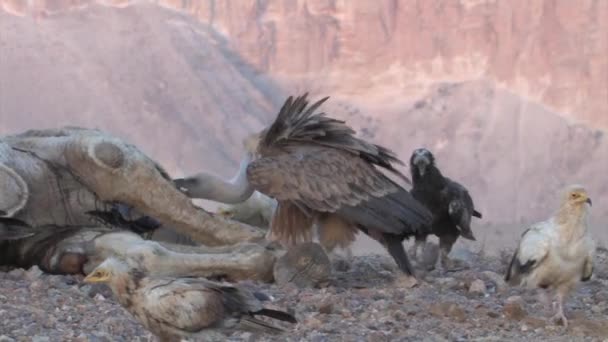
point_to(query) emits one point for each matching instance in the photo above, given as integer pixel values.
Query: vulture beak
(589, 201)
(97, 277)
(421, 162)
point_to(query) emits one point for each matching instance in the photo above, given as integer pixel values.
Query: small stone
(524, 328)
(596, 309)
(36, 285)
(34, 273)
(497, 279)
(99, 297)
(463, 255)
(493, 314)
(17, 273)
(326, 307)
(313, 323)
(515, 299)
(514, 310)
(478, 286)
(39, 338)
(447, 281)
(449, 310)
(4, 338)
(377, 336)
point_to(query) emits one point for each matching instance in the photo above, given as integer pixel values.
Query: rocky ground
(363, 303)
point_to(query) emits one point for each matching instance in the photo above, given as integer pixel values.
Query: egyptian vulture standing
(320, 173)
(173, 308)
(448, 200)
(557, 253)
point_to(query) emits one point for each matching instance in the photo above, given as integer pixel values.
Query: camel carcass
(57, 184)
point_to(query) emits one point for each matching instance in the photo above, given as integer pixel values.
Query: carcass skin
(50, 180)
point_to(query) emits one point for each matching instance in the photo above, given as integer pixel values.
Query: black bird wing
(455, 192)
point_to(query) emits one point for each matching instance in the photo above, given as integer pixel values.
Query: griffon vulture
(320, 173)
(449, 201)
(557, 253)
(174, 308)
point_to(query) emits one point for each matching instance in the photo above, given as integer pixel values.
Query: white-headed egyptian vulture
(320, 173)
(557, 253)
(173, 308)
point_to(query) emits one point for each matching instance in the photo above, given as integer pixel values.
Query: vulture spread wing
(334, 181)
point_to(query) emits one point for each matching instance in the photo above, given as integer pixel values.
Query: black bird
(449, 201)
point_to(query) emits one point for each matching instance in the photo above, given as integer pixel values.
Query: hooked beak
(421, 163)
(589, 201)
(92, 278)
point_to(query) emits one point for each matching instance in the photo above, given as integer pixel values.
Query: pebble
(4, 338)
(34, 273)
(39, 338)
(99, 298)
(478, 286)
(514, 310)
(497, 279)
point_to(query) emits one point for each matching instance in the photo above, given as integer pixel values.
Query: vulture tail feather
(276, 314)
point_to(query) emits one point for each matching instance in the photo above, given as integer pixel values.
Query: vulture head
(420, 160)
(111, 269)
(576, 196)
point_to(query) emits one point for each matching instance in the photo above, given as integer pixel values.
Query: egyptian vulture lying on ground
(557, 253)
(319, 172)
(184, 307)
(449, 201)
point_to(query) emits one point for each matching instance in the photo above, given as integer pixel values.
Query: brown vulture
(321, 174)
(557, 253)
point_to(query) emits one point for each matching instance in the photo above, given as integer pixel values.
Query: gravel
(364, 303)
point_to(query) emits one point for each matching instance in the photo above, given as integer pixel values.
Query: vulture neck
(233, 191)
(123, 289)
(432, 178)
(572, 220)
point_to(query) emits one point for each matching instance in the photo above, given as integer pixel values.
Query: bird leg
(446, 242)
(546, 300)
(559, 316)
(419, 244)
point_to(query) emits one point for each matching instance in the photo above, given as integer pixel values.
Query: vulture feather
(174, 308)
(321, 174)
(557, 253)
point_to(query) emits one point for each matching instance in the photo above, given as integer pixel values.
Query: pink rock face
(512, 96)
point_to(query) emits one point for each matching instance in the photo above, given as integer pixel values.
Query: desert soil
(366, 302)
